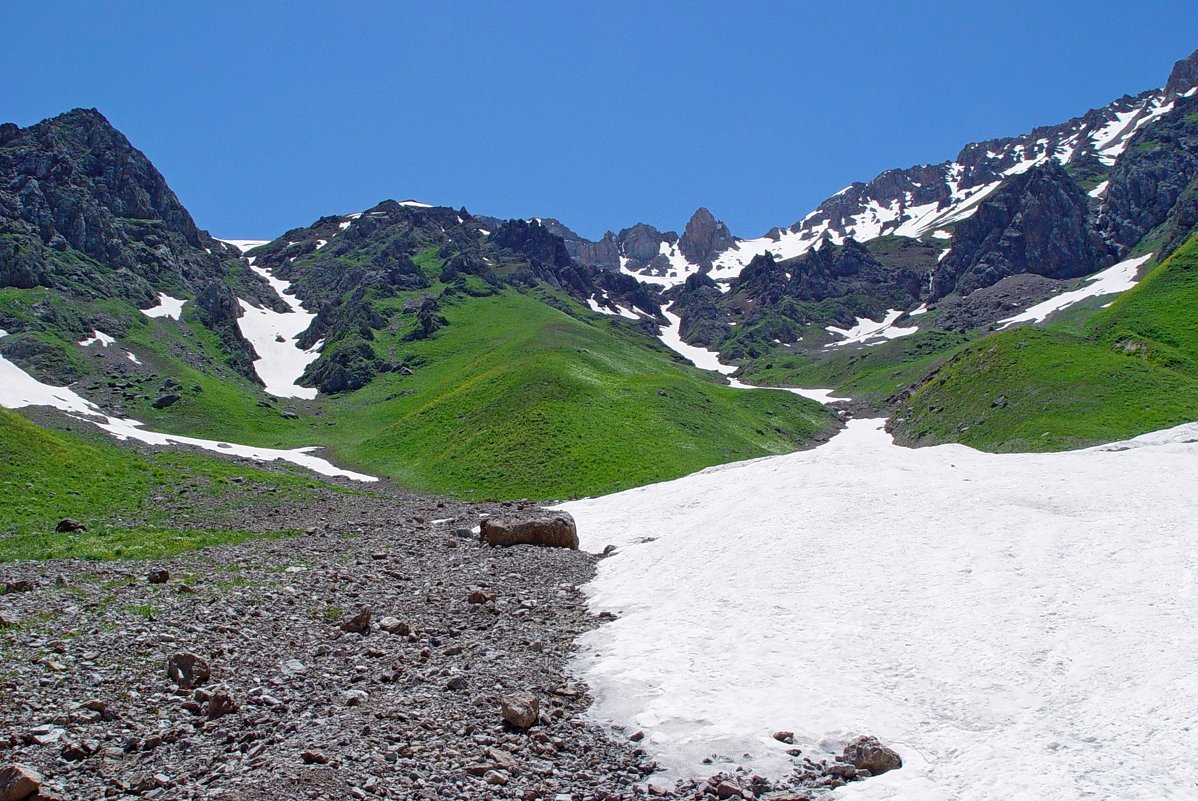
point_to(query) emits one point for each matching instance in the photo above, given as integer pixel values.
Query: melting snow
(1017, 626)
(167, 307)
(1099, 190)
(1119, 278)
(98, 336)
(19, 389)
(867, 329)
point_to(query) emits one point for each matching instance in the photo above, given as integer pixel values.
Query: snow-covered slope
(1017, 626)
(921, 201)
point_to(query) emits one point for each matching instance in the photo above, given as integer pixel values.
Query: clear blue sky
(266, 115)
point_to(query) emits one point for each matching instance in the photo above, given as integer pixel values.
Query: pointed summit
(705, 237)
(1184, 76)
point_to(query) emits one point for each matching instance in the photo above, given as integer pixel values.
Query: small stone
(393, 625)
(520, 709)
(495, 777)
(457, 683)
(158, 577)
(637, 736)
(187, 670)
(354, 697)
(480, 596)
(359, 623)
(18, 782)
(787, 737)
(314, 758)
(69, 526)
(221, 704)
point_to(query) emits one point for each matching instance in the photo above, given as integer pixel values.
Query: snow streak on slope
(1017, 626)
(275, 335)
(870, 331)
(706, 359)
(1111, 281)
(19, 389)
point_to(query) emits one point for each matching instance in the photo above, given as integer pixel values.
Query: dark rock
(220, 704)
(480, 596)
(187, 670)
(67, 525)
(162, 401)
(704, 239)
(866, 753)
(160, 576)
(1037, 222)
(787, 737)
(358, 623)
(554, 529)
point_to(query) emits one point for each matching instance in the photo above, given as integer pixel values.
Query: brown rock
(552, 529)
(359, 623)
(158, 577)
(69, 526)
(866, 753)
(787, 737)
(480, 596)
(313, 758)
(393, 625)
(221, 704)
(187, 670)
(729, 790)
(520, 709)
(18, 782)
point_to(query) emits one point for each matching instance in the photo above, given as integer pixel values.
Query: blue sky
(264, 116)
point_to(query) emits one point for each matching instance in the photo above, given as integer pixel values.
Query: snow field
(1016, 626)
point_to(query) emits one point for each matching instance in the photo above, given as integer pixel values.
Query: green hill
(1131, 369)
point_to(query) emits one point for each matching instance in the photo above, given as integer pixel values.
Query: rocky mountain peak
(705, 237)
(1184, 76)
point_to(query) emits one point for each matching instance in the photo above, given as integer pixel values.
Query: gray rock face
(1184, 75)
(1153, 179)
(553, 529)
(705, 237)
(1037, 222)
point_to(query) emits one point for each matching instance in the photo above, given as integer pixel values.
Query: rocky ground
(104, 692)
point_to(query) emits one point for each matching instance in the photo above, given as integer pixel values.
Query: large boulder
(866, 753)
(553, 529)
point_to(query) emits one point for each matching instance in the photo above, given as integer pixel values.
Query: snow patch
(1118, 278)
(98, 336)
(867, 329)
(167, 307)
(1099, 190)
(246, 244)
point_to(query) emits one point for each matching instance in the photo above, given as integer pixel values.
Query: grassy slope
(119, 493)
(515, 398)
(1133, 368)
(520, 399)
(868, 375)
